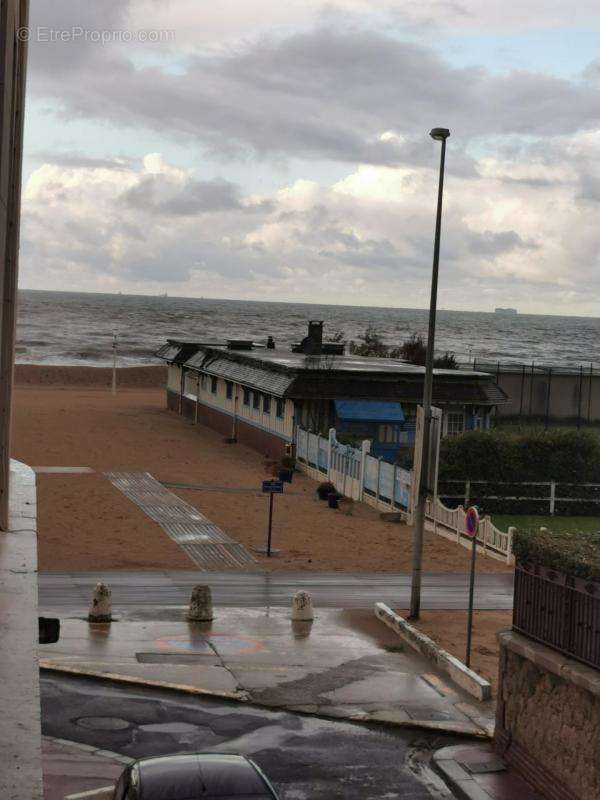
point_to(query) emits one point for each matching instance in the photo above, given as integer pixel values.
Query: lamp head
(439, 134)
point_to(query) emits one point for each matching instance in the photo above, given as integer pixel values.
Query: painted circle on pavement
(224, 643)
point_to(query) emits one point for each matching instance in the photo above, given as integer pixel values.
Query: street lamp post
(440, 135)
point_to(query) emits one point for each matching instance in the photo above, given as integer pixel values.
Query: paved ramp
(202, 540)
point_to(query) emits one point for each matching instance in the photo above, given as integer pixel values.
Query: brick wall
(548, 719)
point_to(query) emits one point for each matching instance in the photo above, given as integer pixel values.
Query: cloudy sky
(260, 149)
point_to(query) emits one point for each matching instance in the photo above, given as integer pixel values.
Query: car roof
(200, 775)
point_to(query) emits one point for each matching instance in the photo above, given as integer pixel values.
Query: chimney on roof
(312, 344)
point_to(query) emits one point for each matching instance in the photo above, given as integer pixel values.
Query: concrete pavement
(69, 592)
(475, 772)
(345, 664)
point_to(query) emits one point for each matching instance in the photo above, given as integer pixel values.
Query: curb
(112, 677)
(90, 750)
(468, 680)
(456, 777)
(472, 731)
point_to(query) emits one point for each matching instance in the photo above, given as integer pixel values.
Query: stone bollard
(101, 605)
(201, 609)
(302, 607)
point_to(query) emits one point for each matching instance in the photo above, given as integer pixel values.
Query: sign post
(271, 488)
(471, 529)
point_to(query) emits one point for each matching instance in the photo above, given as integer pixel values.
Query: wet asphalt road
(69, 592)
(305, 757)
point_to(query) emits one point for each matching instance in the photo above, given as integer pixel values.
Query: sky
(259, 149)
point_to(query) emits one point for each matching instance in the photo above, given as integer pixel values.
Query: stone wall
(548, 719)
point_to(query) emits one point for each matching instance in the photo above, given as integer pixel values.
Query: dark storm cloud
(491, 244)
(322, 94)
(189, 199)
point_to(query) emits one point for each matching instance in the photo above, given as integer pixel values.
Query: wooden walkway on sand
(202, 540)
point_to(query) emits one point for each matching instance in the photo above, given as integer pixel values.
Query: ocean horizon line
(162, 296)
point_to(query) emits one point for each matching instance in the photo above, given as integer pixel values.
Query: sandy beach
(87, 524)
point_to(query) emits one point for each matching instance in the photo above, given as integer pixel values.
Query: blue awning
(369, 411)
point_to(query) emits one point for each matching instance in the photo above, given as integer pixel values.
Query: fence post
(330, 442)
(364, 452)
(511, 535)
(552, 496)
(467, 493)
(378, 477)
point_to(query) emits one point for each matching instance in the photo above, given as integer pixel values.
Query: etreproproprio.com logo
(95, 35)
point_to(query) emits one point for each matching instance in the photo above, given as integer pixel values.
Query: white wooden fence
(551, 497)
(357, 474)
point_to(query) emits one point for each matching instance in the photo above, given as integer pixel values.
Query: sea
(71, 328)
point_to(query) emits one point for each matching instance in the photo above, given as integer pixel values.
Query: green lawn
(514, 426)
(525, 521)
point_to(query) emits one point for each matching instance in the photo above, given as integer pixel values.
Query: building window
(213, 384)
(256, 400)
(455, 423)
(389, 434)
(246, 396)
(266, 404)
(229, 389)
(280, 409)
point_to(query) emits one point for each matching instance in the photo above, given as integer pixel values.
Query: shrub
(507, 460)
(570, 457)
(576, 553)
(288, 462)
(371, 344)
(325, 489)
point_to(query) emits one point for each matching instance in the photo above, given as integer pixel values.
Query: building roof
(330, 377)
(255, 377)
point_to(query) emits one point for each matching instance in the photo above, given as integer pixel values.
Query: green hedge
(567, 456)
(578, 553)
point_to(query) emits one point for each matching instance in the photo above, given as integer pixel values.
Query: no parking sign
(472, 522)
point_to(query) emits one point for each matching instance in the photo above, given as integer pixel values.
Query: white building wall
(283, 427)
(174, 378)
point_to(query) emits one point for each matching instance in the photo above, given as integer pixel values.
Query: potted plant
(284, 474)
(325, 489)
(333, 499)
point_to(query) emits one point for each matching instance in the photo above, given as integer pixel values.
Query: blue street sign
(272, 487)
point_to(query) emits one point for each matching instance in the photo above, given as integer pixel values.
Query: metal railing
(558, 610)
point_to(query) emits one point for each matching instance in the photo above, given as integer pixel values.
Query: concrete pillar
(201, 609)
(302, 607)
(101, 605)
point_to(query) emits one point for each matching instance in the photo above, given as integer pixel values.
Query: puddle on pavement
(103, 723)
(170, 727)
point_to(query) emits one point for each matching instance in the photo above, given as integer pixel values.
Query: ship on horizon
(511, 312)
